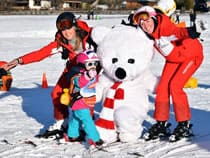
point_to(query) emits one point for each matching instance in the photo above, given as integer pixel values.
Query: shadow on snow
(37, 104)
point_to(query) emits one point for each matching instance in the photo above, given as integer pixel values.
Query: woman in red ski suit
(184, 54)
(71, 38)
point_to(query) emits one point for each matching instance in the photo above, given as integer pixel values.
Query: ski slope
(26, 109)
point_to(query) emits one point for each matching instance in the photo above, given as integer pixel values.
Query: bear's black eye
(114, 60)
(131, 61)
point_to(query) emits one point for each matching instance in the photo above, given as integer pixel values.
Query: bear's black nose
(120, 73)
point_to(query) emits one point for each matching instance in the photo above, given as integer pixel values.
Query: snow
(26, 109)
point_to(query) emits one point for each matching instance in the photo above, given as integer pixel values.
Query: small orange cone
(44, 81)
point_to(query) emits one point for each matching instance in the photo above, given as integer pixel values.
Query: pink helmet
(150, 11)
(87, 55)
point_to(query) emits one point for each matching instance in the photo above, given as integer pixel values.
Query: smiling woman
(183, 53)
(72, 37)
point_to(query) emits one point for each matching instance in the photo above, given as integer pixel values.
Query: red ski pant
(172, 81)
(60, 110)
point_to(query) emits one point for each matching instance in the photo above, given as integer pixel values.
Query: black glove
(92, 43)
(65, 53)
(75, 96)
(192, 32)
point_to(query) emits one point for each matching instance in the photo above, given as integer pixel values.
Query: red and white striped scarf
(106, 118)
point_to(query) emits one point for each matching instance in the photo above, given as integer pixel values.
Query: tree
(93, 5)
(6, 4)
(112, 3)
(184, 4)
(57, 3)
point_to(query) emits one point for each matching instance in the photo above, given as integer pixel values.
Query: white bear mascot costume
(125, 53)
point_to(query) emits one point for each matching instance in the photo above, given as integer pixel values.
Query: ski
(29, 142)
(104, 147)
(138, 154)
(115, 146)
(173, 138)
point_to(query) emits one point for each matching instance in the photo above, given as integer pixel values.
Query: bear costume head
(125, 52)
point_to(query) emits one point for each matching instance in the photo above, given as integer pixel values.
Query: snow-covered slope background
(26, 109)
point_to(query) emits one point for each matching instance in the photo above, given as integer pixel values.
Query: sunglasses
(90, 64)
(64, 24)
(142, 16)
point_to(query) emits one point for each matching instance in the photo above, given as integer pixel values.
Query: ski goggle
(91, 64)
(141, 16)
(64, 24)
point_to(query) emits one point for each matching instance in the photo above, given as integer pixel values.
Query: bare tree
(93, 5)
(6, 5)
(57, 3)
(112, 3)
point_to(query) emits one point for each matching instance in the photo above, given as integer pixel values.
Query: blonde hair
(76, 43)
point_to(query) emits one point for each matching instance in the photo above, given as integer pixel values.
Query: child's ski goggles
(91, 64)
(64, 24)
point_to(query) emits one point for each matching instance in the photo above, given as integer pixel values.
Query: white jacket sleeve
(164, 45)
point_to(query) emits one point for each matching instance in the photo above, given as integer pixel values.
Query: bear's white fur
(125, 54)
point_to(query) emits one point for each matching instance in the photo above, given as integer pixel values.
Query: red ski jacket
(180, 37)
(52, 48)
(169, 29)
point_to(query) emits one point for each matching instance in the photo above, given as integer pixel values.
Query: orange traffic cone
(44, 81)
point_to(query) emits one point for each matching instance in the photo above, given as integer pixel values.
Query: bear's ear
(98, 33)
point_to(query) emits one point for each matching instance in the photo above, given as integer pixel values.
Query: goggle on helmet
(143, 13)
(65, 21)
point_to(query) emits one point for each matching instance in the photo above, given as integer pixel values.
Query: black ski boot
(53, 134)
(159, 130)
(56, 130)
(183, 130)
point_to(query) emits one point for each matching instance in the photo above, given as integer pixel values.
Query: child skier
(83, 99)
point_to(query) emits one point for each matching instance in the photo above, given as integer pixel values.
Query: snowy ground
(26, 109)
